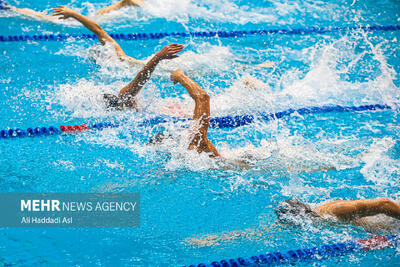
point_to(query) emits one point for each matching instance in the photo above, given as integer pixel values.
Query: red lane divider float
(76, 128)
(375, 242)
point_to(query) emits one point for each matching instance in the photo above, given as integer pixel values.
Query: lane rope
(216, 122)
(204, 34)
(309, 254)
(241, 120)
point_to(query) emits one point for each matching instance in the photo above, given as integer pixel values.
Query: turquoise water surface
(184, 195)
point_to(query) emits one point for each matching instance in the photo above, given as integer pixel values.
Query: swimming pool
(185, 196)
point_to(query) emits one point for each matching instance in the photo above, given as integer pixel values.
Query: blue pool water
(184, 195)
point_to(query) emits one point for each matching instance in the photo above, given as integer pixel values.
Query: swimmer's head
(4, 5)
(159, 138)
(111, 101)
(291, 211)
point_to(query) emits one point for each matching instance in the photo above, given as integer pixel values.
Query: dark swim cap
(112, 101)
(158, 138)
(4, 5)
(294, 209)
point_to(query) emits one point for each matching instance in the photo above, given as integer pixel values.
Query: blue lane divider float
(217, 122)
(142, 36)
(44, 131)
(308, 254)
(241, 120)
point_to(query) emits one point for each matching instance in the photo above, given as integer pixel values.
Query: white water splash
(379, 167)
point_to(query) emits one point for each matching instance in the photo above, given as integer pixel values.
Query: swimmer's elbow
(135, 62)
(202, 96)
(96, 28)
(385, 201)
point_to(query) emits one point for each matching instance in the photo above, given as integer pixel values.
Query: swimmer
(127, 95)
(355, 212)
(201, 115)
(119, 5)
(103, 37)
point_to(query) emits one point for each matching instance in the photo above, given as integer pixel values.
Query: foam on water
(183, 10)
(380, 167)
(324, 82)
(83, 99)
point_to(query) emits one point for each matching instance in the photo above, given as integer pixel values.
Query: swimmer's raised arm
(349, 210)
(132, 89)
(201, 114)
(65, 13)
(34, 14)
(101, 34)
(119, 5)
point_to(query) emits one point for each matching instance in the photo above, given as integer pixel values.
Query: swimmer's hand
(64, 12)
(169, 51)
(133, 88)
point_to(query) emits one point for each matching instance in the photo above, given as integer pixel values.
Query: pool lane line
(242, 120)
(205, 34)
(46, 131)
(309, 254)
(216, 122)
